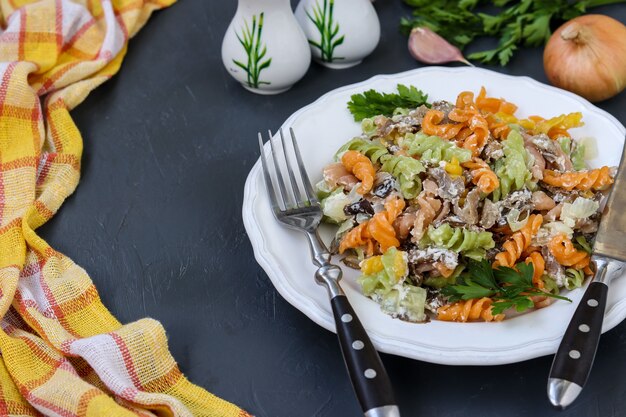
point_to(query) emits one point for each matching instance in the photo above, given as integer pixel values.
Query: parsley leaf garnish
(508, 287)
(372, 103)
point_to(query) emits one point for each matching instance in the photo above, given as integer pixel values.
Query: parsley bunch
(372, 103)
(507, 286)
(514, 23)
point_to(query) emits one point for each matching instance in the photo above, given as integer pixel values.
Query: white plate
(323, 126)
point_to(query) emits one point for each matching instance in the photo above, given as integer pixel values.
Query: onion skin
(587, 56)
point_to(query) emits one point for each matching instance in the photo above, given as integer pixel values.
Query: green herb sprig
(513, 23)
(372, 103)
(510, 288)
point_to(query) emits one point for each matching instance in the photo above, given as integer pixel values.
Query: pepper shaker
(264, 48)
(340, 33)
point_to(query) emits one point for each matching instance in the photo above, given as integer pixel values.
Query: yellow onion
(587, 56)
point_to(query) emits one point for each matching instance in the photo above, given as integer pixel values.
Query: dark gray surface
(156, 222)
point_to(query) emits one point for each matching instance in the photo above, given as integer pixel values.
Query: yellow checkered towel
(63, 353)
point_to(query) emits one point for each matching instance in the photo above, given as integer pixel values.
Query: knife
(574, 358)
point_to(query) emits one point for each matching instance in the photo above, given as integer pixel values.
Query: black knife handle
(369, 378)
(577, 350)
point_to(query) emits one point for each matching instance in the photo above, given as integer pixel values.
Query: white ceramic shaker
(341, 32)
(264, 48)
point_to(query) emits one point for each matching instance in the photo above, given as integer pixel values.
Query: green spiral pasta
(368, 127)
(394, 271)
(401, 111)
(467, 242)
(408, 304)
(574, 278)
(383, 286)
(406, 170)
(575, 150)
(372, 149)
(550, 284)
(512, 170)
(434, 149)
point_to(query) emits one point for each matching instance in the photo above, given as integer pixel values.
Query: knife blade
(611, 234)
(575, 355)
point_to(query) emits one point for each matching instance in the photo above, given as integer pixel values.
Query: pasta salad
(463, 211)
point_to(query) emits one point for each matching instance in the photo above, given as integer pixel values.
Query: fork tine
(279, 175)
(268, 179)
(292, 178)
(303, 174)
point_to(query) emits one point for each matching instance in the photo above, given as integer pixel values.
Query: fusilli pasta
(370, 148)
(361, 167)
(498, 128)
(518, 242)
(539, 266)
(358, 237)
(429, 207)
(472, 244)
(406, 170)
(512, 170)
(468, 310)
(431, 125)
(473, 136)
(380, 227)
(594, 179)
(434, 149)
(566, 254)
(493, 105)
(485, 179)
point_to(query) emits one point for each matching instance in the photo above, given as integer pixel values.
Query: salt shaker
(341, 33)
(264, 48)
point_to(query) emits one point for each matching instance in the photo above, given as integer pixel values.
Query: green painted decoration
(322, 18)
(251, 41)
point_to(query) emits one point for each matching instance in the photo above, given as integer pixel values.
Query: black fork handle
(367, 372)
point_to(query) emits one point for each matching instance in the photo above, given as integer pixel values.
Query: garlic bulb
(428, 47)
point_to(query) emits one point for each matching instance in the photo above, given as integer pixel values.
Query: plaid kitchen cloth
(62, 352)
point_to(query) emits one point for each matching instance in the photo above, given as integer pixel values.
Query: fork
(302, 211)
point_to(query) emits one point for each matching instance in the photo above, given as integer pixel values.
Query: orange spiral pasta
(462, 311)
(566, 254)
(541, 301)
(380, 227)
(518, 242)
(475, 133)
(465, 100)
(539, 267)
(557, 132)
(443, 269)
(362, 168)
(431, 126)
(358, 237)
(594, 179)
(485, 179)
(461, 115)
(494, 105)
(499, 129)
(480, 133)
